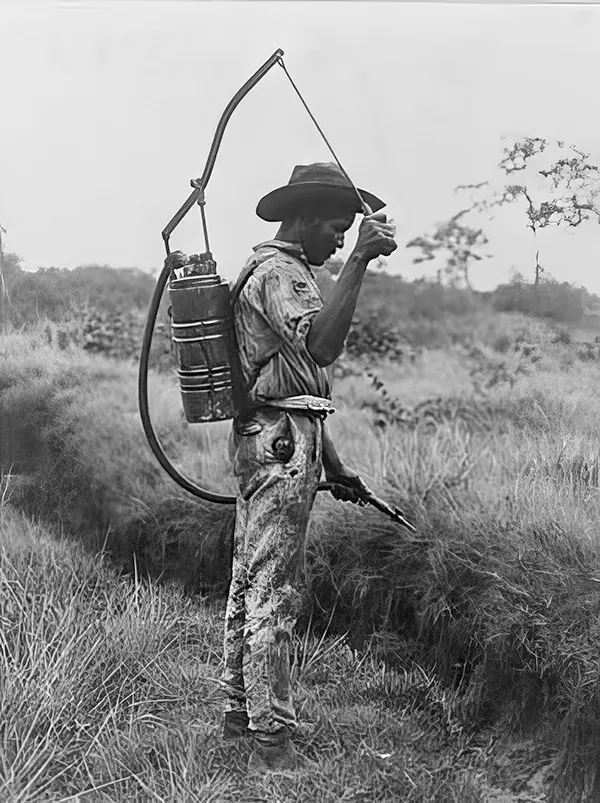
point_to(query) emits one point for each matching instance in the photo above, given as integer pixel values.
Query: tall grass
(86, 669)
(71, 433)
(496, 597)
(109, 691)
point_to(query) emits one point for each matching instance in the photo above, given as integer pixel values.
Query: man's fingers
(350, 493)
(384, 231)
(376, 236)
(342, 493)
(175, 260)
(390, 228)
(345, 495)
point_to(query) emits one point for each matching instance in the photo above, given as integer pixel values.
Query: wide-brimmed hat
(320, 180)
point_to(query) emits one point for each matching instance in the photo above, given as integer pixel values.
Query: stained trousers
(278, 470)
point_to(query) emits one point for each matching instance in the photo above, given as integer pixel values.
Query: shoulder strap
(240, 398)
(247, 272)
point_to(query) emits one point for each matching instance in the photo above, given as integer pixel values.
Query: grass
(72, 436)
(458, 665)
(109, 692)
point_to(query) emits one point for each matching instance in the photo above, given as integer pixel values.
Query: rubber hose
(153, 440)
(151, 435)
(155, 445)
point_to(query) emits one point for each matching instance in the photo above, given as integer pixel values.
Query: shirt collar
(291, 248)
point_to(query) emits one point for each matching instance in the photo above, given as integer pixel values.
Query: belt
(299, 405)
(315, 405)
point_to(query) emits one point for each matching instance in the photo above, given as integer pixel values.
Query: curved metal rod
(151, 436)
(197, 195)
(199, 184)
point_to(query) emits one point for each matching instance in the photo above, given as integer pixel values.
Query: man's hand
(349, 490)
(375, 237)
(176, 260)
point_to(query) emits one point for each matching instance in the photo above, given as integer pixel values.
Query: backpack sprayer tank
(202, 331)
(202, 324)
(201, 320)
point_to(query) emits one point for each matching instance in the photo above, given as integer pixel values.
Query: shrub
(70, 429)
(58, 293)
(498, 591)
(563, 336)
(559, 302)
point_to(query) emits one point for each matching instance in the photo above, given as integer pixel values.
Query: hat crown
(322, 172)
(307, 183)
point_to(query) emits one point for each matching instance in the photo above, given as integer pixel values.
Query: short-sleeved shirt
(272, 317)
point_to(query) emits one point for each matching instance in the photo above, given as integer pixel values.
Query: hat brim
(281, 203)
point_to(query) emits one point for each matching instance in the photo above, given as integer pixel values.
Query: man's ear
(309, 218)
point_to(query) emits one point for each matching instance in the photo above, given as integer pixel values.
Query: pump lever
(199, 184)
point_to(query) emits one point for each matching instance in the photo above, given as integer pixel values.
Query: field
(460, 664)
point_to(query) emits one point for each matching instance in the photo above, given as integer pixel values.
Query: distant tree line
(59, 294)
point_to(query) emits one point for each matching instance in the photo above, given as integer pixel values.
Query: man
(287, 335)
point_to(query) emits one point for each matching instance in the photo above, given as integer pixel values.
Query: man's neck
(290, 233)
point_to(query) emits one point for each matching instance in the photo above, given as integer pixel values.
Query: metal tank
(202, 330)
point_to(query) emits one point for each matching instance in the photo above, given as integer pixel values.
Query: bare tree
(3, 293)
(455, 241)
(567, 195)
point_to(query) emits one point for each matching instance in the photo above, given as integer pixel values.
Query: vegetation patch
(413, 652)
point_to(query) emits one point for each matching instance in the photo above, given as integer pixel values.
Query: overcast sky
(109, 108)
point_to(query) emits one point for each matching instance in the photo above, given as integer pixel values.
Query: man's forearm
(331, 460)
(331, 324)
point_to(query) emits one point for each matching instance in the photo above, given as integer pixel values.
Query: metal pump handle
(196, 196)
(199, 184)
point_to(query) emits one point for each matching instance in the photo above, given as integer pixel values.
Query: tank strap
(306, 404)
(240, 399)
(247, 272)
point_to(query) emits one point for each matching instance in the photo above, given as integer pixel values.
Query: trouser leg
(276, 499)
(235, 620)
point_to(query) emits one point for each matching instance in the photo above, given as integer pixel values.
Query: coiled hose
(151, 435)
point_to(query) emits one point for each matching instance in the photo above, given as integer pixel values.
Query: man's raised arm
(331, 324)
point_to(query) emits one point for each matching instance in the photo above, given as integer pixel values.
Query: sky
(108, 109)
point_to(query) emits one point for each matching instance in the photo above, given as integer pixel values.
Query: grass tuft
(414, 655)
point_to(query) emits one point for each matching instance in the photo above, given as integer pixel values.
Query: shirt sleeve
(290, 300)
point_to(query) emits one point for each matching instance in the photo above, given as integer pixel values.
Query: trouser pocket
(270, 442)
(276, 440)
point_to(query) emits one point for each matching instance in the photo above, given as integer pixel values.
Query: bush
(498, 591)
(71, 431)
(559, 302)
(394, 317)
(59, 294)
(563, 336)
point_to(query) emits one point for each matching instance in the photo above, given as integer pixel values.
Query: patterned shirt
(272, 316)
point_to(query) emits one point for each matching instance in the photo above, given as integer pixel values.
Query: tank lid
(185, 282)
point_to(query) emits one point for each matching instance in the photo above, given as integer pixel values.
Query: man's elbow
(322, 354)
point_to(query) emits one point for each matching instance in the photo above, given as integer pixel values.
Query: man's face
(321, 237)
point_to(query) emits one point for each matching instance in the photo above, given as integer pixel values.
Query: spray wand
(197, 196)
